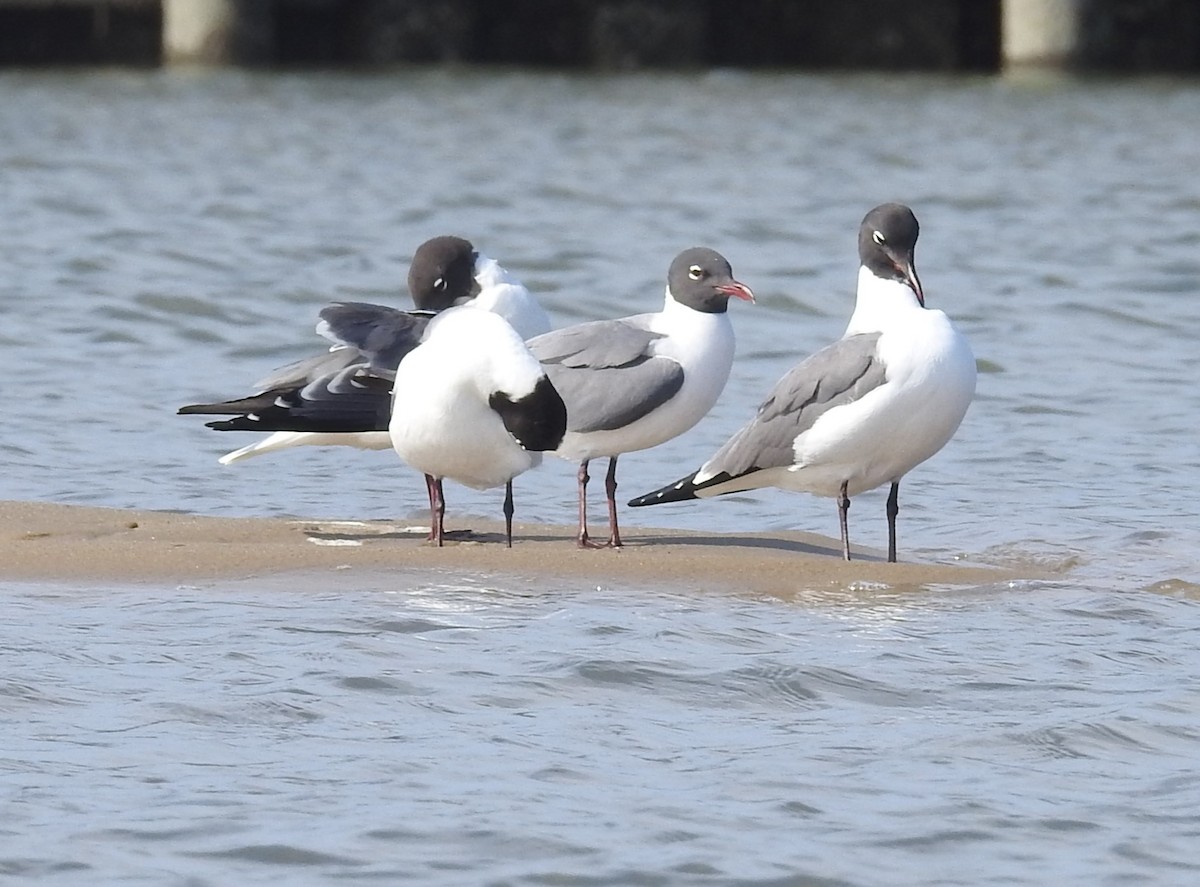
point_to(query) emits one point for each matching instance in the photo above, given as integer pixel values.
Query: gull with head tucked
(294, 401)
(470, 403)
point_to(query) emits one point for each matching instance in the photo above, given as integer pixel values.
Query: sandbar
(43, 541)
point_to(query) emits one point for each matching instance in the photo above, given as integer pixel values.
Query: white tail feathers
(283, 440)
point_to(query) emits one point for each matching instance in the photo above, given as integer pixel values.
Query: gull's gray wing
(347, 388)
(604, 399)
(300, 373)
(373, 336)
(595, 345)
(605, 373)
(383, 335)
(838, 374)
(352, 400)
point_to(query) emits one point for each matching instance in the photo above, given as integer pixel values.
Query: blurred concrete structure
(1041, 32)
(930, 35)
(217, 31)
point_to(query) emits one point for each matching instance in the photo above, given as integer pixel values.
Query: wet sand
(51, 542)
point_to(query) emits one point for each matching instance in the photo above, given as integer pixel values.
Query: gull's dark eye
(440, 283)
(695, 272)
(879, 238)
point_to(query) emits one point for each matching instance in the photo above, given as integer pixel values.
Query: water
(454, 732)
(168, 237)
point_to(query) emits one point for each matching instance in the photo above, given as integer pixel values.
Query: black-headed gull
(636, 382)
(470, 403)
(863, 411)
(445, 271)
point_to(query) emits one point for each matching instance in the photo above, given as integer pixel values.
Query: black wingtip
(239, 423)
(681, 491)
(538, 421)
(249, 404)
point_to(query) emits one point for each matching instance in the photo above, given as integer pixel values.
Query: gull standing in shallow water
(294, 401)
(473, 405)
(863, 411)
(633, 383)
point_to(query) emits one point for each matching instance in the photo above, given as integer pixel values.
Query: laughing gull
(863, 411)
(473, 405)
(372, 339)
(636, 382)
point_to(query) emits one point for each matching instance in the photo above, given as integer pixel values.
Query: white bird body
(472, 404)
(929, 382)
(443, 424)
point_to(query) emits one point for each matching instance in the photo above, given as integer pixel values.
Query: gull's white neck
(489, 272)
(501, 293)
(693, 335)
(880, 304)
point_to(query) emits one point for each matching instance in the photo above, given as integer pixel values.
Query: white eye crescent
(439, 284)
(879, 238)
(695, 272)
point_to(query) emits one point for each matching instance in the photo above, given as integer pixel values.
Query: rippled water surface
(415, 731)
(168, 237)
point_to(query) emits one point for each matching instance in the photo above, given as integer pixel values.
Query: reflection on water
(167, 237)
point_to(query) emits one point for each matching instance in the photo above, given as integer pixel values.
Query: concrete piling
(1040, 33)
(217, 31)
